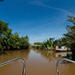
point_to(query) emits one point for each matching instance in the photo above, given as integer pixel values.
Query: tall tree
(71, 33)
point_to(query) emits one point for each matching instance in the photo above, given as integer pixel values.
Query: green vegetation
(10, 41)
(37, 43)
(48, 44)
(68, 40)
(70, 36)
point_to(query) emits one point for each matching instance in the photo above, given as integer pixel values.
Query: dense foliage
(11, 41)
(37, 43)
(48, 44)
(70, 36)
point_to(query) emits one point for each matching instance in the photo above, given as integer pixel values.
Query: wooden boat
(62, 49)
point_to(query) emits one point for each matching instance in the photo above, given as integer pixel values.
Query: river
(38, 62)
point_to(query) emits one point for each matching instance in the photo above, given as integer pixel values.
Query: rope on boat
(57, 64)
(9, 61)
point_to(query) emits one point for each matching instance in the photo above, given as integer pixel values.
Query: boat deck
(12, 67)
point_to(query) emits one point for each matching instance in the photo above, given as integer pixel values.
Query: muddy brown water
(38, 62)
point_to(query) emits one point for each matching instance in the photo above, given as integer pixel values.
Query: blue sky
(39, 19)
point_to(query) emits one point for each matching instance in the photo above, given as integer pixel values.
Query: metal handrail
(9, 61)
(57, 64)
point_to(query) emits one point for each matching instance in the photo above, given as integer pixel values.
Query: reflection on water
(14, 54)
(38, 62)
(63, 54)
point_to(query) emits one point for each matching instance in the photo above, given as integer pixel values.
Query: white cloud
(42, 4)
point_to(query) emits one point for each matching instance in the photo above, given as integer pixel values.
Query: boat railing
(12, 60)
(58, 61)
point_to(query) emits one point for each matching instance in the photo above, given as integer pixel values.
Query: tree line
(50, 43)
(10, 41)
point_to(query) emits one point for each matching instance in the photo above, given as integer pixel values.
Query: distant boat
(62, 49)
